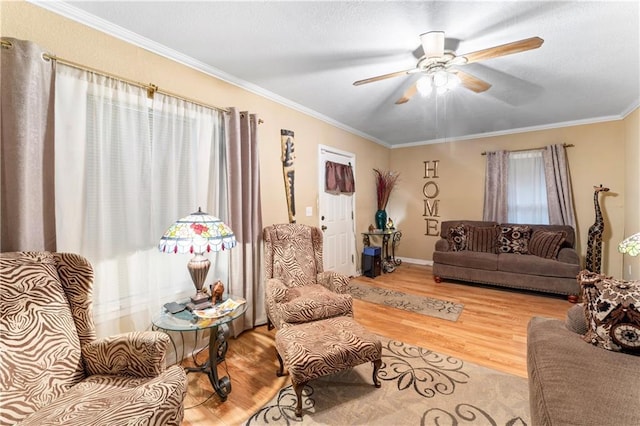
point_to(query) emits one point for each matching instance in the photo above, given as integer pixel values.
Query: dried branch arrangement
(385, 182)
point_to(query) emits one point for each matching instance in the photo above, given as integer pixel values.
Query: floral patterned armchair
(54, 371)
(298, 290)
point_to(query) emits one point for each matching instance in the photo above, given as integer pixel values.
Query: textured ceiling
(308, 54)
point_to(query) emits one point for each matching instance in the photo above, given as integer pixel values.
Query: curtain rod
(151, 88)
(564, 145)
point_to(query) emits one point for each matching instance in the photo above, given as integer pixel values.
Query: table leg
(217, 351)
(396, 240)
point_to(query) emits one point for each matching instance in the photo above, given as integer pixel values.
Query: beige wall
(597, 158)
(632, 189)
(76, 42)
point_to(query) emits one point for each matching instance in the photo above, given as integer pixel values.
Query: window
(526, 188)
(126, 169)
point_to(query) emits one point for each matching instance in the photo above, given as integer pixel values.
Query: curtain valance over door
(338, 178)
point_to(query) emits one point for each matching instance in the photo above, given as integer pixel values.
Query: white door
(337, 218)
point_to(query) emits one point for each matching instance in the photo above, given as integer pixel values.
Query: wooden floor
(491, 331)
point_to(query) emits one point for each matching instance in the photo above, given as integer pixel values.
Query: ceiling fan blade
(504, 49)
(472, 83)
(408, 94)
(383, 77)
(432, 44)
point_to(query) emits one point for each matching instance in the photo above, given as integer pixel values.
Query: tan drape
(559, 194)
(495, 187)
(245, 216)
(27, 145)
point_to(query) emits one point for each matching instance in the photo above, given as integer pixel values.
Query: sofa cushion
(315, 302)
(467, 259)
(482, 238)
(118, 400)
(514, 239)
(457, 237)
(41, 357)
(576, 320)
(533, 265)
(612, 309)
(546, 243)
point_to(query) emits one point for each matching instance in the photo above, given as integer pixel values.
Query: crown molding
(71, 12)
(515, 131)
(632, 107)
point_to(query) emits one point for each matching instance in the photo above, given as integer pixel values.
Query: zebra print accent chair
(54, 371)
(298, 290)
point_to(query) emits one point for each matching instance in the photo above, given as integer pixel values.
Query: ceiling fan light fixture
(433, 44)
(440, 78)
(453, 81)
(424, 85)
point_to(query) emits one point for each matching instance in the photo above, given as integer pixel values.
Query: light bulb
(440, 78)
(424, 85)
(453, 81)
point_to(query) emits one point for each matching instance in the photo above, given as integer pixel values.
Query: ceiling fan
(439, 66)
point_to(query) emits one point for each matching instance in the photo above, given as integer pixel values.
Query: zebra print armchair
(54, 371)
(298, 290)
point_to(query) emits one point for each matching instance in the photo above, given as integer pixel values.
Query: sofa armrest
(276, 290)
(574, 382)
(442, 245)
(334, 281)
(568, 255)
(137, 354)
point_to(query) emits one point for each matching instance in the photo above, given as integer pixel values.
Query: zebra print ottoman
(319, 348)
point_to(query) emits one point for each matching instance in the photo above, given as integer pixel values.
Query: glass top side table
(188, 321)
(389, 259)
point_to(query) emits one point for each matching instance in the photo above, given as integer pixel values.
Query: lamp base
(198, 268)
(200, 297)
(197, 306)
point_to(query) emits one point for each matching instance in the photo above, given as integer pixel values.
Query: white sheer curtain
(526, 188)
(127, 168)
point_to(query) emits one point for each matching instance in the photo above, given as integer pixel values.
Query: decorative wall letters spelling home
(430, 191)
(288, 171)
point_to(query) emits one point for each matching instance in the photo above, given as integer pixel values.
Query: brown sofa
(54, 371)
(523, 271)
(572, 382)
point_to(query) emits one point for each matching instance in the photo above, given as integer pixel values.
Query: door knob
(324, 228)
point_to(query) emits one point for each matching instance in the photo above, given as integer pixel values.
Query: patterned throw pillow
(514, 239)
(457, 237)
(612, 309)
(546, 244)
(482, 238)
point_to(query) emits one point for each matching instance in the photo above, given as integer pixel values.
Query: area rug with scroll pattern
(419, 387)
(409, 302)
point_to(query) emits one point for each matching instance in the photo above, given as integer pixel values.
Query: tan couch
(522, 271)
(572, 382)
(54, 371)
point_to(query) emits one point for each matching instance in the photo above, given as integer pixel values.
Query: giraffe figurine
(593, 261)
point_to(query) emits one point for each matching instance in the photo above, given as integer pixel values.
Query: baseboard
(416, 261)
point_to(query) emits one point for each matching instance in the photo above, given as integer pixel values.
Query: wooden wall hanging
(288, 171)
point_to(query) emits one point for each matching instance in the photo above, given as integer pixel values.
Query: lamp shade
(631, 245)
(197, 233)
